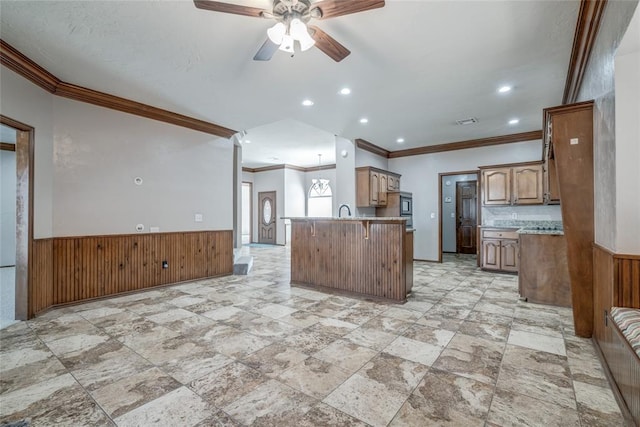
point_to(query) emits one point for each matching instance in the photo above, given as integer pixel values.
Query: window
(320, 199)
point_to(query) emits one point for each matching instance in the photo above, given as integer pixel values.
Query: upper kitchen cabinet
(519, 184)
(373, 184)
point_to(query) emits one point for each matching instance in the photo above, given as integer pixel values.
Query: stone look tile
(314, 377)
(120, 397)
(270, 404)
(132, 354)
(537, 384)
(537, 342)
(472, 357)
(274, 359)
(596, 405)
(416, 351)
(179, 408)
(227, 384)
(446, 399)
(346, 355)
(366, 400)
(326, 416)
(513, 409)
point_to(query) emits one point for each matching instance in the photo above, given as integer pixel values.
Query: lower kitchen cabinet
(500, 250)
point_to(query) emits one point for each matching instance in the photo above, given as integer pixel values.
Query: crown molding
(286, 166)
(587, 27)
(372, 148)
(473, 143)
(25, 67)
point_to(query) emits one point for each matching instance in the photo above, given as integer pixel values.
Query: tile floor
(251, 350)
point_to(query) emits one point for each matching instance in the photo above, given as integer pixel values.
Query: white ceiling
(415, 67)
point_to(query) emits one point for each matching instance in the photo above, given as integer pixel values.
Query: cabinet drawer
(497, 234)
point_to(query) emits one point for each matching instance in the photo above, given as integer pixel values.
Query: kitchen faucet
(340, 210)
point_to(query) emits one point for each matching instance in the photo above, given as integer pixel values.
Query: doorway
(267, 217)
(21, 197)
(458, 208)
(247, 209)
(467, 216)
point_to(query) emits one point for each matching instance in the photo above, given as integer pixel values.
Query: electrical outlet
(198, 217)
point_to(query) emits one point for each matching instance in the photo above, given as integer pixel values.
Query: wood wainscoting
(71, 269)
(616, 283)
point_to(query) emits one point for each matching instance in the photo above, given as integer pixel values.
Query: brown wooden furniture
(500, 249)
(517, 184)
(373, 184)
(366, 256)
(543, 276)
(624, 366)
(570, 136)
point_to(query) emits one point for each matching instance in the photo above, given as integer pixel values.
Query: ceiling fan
(291, 18)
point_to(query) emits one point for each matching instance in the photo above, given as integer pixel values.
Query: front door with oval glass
(267, 217)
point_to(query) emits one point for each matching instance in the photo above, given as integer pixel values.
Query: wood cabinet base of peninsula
(366, 257)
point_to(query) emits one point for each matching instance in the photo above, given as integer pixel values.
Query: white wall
(627, 130)
(344, 187)
(98, 153)
(420, 177)
(367, 158)
(295, 196)
(449, 220)
(27, 103)
(7, 207)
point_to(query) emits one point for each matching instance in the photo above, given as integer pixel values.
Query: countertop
(346, 218)
(529, 227)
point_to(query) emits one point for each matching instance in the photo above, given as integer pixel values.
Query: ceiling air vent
(469, 121)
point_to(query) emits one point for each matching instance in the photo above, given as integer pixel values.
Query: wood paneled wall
(616, 282)
(339, 255)
(72, 269)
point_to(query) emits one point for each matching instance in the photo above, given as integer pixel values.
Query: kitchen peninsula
(368, 256)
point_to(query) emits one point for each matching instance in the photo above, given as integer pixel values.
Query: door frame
(457, 213)
(441, 177)
(250, 209)
(24, 214)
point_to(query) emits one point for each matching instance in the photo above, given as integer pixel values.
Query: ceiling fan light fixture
(287, 44)
(299, 31)
(277, 33)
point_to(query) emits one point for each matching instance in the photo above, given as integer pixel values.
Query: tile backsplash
(522, 213)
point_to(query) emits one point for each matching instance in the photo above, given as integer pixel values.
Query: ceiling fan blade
(266, 51)
(218, 6)
(333, 8)
(328, 44)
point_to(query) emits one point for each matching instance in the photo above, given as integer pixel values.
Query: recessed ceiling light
(364, 120)
(514, 121)
(504, 89)
(307, 103)
(345, 91)
(400, 140)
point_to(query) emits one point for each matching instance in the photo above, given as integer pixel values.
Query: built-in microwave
(406, 204)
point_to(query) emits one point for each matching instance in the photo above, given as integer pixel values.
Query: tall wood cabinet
(520, 184)
(373, 184)
(569, 141)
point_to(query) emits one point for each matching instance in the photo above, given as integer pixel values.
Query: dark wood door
(466, 212)
(267, 217)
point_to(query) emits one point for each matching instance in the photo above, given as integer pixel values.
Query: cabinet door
(491, 254)
(496, 186)
(397, 184)
(374, 187)
(527, 185)
(553, 192)
(391, 183)
(509, 255)
(382, 197)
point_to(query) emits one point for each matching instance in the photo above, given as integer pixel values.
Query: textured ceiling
(415, 67)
